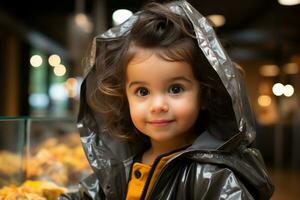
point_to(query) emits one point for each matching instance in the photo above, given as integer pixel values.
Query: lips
(160, 122)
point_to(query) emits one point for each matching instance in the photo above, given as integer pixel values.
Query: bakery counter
(40, 158)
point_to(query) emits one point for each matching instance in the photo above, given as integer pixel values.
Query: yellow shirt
(137, 182)
(139, 176)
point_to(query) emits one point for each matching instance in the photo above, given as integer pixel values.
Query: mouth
(160, 122)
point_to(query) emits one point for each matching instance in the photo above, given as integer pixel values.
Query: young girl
(164, 114)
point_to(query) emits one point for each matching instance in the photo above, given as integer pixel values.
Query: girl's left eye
(176, 89)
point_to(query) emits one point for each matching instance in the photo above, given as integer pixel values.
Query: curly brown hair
(172, 38)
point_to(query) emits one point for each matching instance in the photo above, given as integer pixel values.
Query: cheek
(187, 109)
(137, 111)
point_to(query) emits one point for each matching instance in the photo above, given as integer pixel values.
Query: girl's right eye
(142, 92)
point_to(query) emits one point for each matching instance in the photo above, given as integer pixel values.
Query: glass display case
(40, 153)
(12, 143)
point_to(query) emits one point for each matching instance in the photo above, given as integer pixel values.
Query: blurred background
(42, 44)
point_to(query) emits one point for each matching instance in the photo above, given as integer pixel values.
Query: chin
(163, 138)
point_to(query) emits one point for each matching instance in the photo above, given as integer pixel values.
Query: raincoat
(220, 164)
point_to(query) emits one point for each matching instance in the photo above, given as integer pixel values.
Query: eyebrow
(177, 78)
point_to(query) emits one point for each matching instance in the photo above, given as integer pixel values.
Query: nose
(159, 104)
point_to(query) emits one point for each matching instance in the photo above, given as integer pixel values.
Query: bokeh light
(264, 100)
(278, 89)
(54, 60)
(36, 60)
(60, 70)
(120, 16)
(288, 90)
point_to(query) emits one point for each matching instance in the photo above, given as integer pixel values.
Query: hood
(105, 154)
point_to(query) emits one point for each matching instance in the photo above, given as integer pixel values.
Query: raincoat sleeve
(228, 186)
(215, 182)
(89, 189)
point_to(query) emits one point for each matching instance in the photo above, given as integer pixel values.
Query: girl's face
(163, 97)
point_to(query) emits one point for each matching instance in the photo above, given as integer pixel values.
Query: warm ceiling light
(264, 100)
(217, 20)
(278, 89)
(36, 60)
(54, 60)
(269, 70)
(288, 2)
(120, 16)
(60, 70)
(288, 90)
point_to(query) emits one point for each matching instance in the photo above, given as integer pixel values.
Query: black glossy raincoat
(211, 168)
